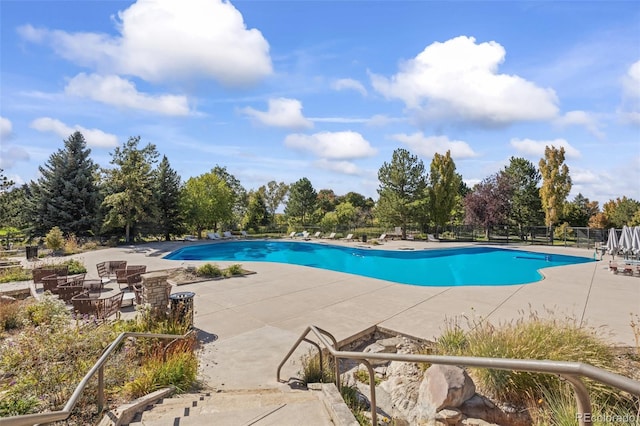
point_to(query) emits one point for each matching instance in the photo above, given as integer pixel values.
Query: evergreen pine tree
(167, 199)
(66, 194)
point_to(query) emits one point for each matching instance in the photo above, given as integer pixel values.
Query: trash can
(181, 305)
(32, 252)
(364, 238)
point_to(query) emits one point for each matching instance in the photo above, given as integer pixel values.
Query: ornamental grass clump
(530, 338)
(235, 269)
(209, 270)
(313, 372)
(17, 273)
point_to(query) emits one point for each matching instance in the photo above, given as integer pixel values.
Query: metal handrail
(570, 371)
(98, 367)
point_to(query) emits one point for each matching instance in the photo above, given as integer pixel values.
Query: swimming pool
(446, 267)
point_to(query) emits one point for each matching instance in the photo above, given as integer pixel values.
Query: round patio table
(92, 285)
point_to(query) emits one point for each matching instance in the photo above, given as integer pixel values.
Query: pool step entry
(248, 407)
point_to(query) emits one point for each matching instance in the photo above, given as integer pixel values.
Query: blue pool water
(448, 267)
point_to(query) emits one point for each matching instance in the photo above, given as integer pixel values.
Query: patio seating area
(97, 306)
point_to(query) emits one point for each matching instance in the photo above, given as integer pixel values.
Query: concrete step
(251, 407)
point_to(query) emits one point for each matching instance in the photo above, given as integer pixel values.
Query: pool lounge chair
(190, 238)
(348, 237)
(317, 234)
(432, 239)
(381, 238)
(228, 234)
(244, 234)
(305, 236)
(213, 236)
(331, 236)
(292, 235)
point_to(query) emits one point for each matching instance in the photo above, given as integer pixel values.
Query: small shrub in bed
(209, 270)
(235, 269)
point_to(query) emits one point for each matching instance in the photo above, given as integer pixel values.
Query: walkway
(249, 323)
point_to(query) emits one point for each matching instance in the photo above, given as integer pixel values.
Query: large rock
(443, 386)
(403, 381)
(480, 407)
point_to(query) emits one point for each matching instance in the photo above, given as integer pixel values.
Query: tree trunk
(126, 233)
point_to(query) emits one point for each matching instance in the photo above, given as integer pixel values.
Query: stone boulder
(443, 386)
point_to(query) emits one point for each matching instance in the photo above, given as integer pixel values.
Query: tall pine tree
(66, 194)
(167, 199)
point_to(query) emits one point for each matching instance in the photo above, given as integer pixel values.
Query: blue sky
(280, 90)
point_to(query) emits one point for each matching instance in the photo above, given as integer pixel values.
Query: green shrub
(209, 270)
(54, 239)
(75, 266)
(90, 245)
(15, 274)
(235, 269)
(311, 371)
(363, 376)
(47, 310)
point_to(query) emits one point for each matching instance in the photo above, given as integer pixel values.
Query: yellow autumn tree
(556, 183)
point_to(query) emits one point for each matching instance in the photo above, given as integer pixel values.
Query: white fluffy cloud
(10, 155)
(5, 127)
(427, 146)
(117, 91)
(332, 145)
(343, 167)
(349, 84)
(282, 112)
(458, 80)
(630, 110)
(94, 137)
(163, 40)
(536, 148)
(631, 81)
(581, 118)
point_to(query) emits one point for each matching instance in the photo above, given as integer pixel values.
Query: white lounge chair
(213, 236)
(244, 234)
(432, 239)
(217, 236)
(190, 238)
(381, 238)
(331, 236)
(348, 237)
(317, 234)
(292, 235)
(228, 234)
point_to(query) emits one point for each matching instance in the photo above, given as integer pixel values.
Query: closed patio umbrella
(612, 242)
(625, 241)
(635, 240)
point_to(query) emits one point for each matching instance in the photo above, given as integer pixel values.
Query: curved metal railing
(570, 371)
(98, 367)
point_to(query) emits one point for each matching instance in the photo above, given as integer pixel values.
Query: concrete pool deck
(249, 323)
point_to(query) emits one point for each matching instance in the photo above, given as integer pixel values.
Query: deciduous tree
(402, 185)
(274, 195)
(487, 204)
(526, 205)
(130, 186)
(256, 215)
(443, 188)
(302, 201)
(619, 212)
(556, 183)
(206, 201)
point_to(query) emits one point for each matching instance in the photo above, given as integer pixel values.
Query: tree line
(140, 195)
